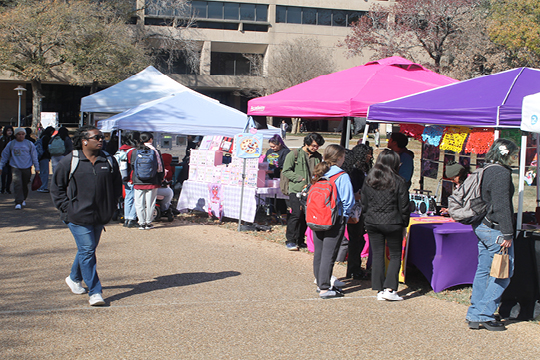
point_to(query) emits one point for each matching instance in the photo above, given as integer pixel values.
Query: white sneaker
(18, 207)
(335, 282)
(391, 295)
(24, 203)
(380, 296)
(96, 300)
(75, 286)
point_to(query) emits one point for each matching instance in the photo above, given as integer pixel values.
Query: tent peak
(397, 61)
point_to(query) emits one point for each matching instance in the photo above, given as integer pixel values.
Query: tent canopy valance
(349, 93)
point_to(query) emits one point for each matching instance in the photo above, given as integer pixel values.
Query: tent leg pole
(345, 131)
(521, 181)
(366, 131)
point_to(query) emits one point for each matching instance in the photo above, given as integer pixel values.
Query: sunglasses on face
(96, 137)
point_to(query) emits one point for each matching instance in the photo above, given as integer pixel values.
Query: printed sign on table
(248, 146)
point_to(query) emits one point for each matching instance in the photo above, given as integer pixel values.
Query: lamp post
(20, 90)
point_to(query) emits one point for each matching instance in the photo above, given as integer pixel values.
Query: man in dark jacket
(85, 188)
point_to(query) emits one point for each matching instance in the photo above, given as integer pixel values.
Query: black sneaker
(302, 246)
(149, 226)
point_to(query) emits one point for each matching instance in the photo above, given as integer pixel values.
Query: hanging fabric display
(413, 130)
(479, 141)
(454, 138)
(511, 134)
(433, 134)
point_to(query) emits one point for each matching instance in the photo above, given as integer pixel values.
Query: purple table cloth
(447, 254)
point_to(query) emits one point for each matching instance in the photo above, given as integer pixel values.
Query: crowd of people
(372, 198)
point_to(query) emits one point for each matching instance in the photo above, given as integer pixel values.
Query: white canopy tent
(183, 113)
(148, 85)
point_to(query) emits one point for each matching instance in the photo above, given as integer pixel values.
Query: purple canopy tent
(486, 101)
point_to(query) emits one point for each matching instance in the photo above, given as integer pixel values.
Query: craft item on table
(255, 178)
(215, 206)
(454, 138)
(479, 141)
(433, 134)
(226, 144)
(511, 134)
(206, 142)
(213, 158)
(193, 171)
(216, 142)
(216, 175)
(413, 130)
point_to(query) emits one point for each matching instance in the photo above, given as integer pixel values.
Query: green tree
(80, 41)
(515, 25)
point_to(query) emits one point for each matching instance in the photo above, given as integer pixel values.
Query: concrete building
(223, 33)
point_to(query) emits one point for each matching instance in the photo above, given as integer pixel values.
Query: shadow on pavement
(168, 281)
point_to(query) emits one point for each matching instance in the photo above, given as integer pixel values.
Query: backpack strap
(75, 159)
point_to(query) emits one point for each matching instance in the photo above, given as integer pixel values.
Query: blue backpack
(145, 164)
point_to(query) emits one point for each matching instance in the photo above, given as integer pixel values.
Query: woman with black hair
(85, 188)
(494, 232)
(385, 204)
(275, 156)
(358, 162)
(58, 149)
(7, 176)
(45, 159)
(146, 175)
(327, 242)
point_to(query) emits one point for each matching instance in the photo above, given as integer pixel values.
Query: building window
(314, 16)
(229, 11)
(231, 64)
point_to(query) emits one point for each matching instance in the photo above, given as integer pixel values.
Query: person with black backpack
(494, 232)
(327, 242)
(385, 207)
(146, 174)
(42, 145)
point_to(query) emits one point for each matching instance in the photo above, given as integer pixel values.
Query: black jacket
(386, 207)
(91, 196)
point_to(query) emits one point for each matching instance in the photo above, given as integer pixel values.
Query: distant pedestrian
(20, 154)
(283, 127)
(398, 142)
(59, 146)
(29, 135)
(45, 158)
(7, 136)
(87, 197)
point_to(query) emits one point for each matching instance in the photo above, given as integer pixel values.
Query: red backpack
(321, 209)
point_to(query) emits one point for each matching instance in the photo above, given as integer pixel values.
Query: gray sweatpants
(21, 178)
(326, 245)
(145, 200)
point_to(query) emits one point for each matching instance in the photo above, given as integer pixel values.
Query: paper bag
(500, 264)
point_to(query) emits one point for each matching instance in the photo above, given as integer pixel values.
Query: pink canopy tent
(349, 93)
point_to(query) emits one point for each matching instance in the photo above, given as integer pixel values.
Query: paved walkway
(204, 292)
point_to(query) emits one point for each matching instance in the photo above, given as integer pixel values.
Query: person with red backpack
(330, 181)
(385, 207)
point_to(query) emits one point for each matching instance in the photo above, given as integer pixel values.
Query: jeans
(145, 201)
(84, 266)
(393, 234)
(21, 179)
(487, 290)
(55, 160)
(326, 245)
(296, 223)
(44, 174)
(167, 194)
(129, 202)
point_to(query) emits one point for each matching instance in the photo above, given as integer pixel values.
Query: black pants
(393, 234)
(296, 223)
(356, 245)
(6, 178)
(326, 245)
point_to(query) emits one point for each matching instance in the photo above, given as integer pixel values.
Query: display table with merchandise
(195, 196)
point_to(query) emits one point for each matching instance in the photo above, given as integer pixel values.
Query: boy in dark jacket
(86, 198)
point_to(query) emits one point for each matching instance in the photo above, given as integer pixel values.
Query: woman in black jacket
(7, 136)
(45, 159)
(87, 198)
(385, 204)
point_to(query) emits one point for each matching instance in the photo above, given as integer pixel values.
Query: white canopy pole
(366, 130)
(521, 180)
